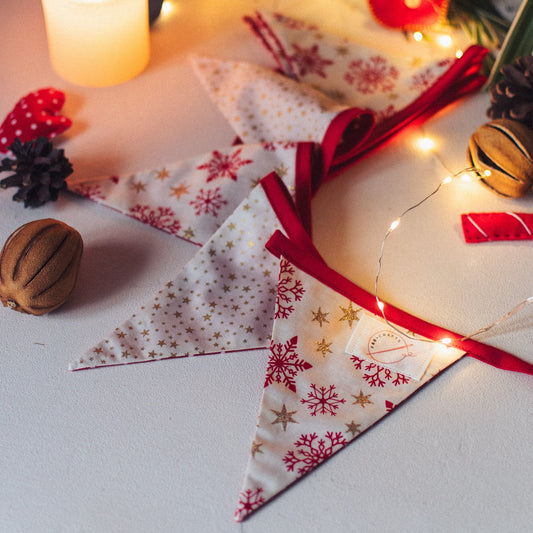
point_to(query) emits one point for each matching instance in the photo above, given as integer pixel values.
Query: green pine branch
(517, 43)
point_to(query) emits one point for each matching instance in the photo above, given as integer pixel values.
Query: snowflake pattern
(208, 202)
(162, 218)
(249, 500)
(322, 400)
(423, 80)
(284, 364)
(311, 452)
(224, 165)
(372, 76)
(309, 60)
(288, 289)
(92, 192)
(377, 375)
(292, 23)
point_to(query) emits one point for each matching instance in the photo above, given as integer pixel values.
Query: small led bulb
(394, 225)
(425, 144)
(447, 180)
(445, 41)
(417, 36)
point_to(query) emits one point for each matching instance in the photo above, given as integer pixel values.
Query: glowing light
(446, 341)
(444, 40)
(425, 143)
(466, 178)
(487, 173)
(459, 54)
(166, 8)
(447, 180)
(394, 225)
(381, 305)
(417, 36)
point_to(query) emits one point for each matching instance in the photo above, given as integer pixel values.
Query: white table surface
(162, 446)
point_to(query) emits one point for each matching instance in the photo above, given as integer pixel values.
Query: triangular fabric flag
(336, 366)
(399, 89)
(34, 115)
(191, 198)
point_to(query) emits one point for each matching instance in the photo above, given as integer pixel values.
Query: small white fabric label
(375, 340)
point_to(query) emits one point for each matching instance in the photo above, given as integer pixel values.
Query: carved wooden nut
(505, 148)
(39, 265)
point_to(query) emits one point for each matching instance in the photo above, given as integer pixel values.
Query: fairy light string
(465, 175)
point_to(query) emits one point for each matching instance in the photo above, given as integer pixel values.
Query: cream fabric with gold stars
(222, 300)
(317, 398)
(262, 105)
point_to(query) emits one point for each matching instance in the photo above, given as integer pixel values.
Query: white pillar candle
(97, 43)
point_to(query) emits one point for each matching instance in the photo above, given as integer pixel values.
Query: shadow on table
(107, 269)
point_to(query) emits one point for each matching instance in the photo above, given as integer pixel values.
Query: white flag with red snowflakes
(317, 397)
(191, 198)
(319, 74)
(335, 367)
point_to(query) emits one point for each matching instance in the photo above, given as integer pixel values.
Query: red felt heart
(34, 115)
(409, 14)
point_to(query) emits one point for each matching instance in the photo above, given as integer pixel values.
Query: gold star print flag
(399, 88)
(222, 299)
(335, 366)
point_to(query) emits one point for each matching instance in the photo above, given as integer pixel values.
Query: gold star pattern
(353, 428)
(319, 316)
(350, 314)
(256, 448)
(163, 174)
(218, 303)
(188, 233)
(180, 190)
(362, 399)
(138, 186)
(284, 417)
(323, 346)
(281, 171)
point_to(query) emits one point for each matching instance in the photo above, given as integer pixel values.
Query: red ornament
(34, 115)
(409, 14)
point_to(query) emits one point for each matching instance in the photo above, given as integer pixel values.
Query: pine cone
(39, 170)
(512, 97)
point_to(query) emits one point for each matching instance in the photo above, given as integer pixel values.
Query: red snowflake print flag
(191, 198)
(409, 14)
(319, 397)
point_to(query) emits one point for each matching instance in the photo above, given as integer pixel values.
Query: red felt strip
(506, 226)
